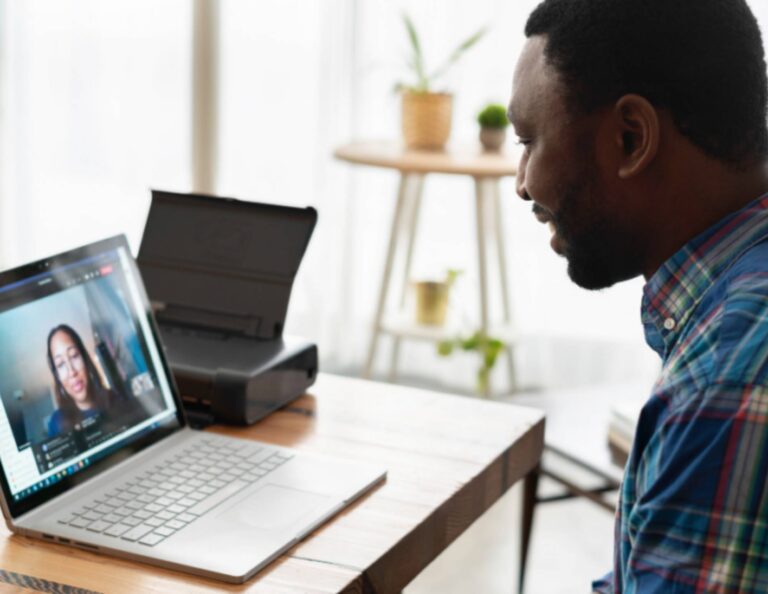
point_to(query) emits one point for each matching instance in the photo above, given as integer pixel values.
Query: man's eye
(526, 144)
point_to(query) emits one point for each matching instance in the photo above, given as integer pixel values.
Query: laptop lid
(83, 380)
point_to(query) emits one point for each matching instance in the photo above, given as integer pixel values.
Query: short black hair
(702, 60)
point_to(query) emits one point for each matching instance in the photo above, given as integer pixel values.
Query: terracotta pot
(426, 119)
(492, 139)
(431, 302)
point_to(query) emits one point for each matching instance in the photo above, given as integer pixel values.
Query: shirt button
(670, 324)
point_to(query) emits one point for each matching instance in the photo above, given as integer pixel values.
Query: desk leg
(482, 200)
(411, 224)
(530, 488)
(505, 302)
(388, 264)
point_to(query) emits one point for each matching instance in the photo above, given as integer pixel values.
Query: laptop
(95, 450)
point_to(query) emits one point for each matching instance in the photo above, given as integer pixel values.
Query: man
(643, 124)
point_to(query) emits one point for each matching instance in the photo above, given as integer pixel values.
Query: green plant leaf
(482, 379)
(417, 61)
(493, 115)
(451, 275)
(445, 348)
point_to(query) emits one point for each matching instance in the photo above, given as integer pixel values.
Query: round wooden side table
(486, 169)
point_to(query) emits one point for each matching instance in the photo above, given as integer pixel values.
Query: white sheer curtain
(95, 109)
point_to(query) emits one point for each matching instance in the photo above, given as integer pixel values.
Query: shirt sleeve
(700, 519)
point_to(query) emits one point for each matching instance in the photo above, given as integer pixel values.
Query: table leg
(530, 488)
(388, 264)
(411, 224)
(505, 301)
(482, 200)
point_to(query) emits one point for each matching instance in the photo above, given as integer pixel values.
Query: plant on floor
(488, 347)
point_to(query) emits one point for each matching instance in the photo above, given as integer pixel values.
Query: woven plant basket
(426, 120)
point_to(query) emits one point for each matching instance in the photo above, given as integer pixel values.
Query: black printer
(219, 274)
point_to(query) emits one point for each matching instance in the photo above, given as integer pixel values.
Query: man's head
(613, 99)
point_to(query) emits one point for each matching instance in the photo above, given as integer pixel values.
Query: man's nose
(520, 182)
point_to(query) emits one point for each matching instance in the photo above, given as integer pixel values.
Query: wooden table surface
(459, 160)
(449, 458)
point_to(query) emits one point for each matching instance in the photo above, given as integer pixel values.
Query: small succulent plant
(493, 116)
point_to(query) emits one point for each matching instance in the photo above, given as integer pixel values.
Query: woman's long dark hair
(97, 394)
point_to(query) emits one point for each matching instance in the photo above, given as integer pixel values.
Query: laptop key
(143, 514)
(137, 532)
(186, 502)
(165, 515)
(186, 518)
(154, 522)
(67, 519)
(117, 530)
(165, 531)
(92, 516)
(154, 508)
(133, 521)
(152, 539)
(175, 524)
(176, 509)
(80, 523)
(214, 500)
(98, 526)
(112, 518)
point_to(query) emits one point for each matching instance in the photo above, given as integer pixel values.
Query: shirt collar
(672, 293)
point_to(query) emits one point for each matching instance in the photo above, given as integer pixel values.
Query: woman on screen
(79, 391)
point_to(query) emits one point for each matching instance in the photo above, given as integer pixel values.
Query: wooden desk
(486, 169)
(449, 459)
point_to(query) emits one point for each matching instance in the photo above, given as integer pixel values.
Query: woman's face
(70, 368)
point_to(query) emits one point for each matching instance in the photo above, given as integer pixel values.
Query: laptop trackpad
(276, 508)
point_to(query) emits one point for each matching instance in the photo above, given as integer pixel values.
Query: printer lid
(223, 264)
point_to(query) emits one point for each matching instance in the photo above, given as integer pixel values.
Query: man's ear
(637, 134)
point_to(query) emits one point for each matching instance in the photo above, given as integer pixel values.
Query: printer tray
(233, 379)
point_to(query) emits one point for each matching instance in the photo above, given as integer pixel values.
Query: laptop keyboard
(173, 494)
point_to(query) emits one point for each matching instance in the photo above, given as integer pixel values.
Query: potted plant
(493, 126)
(488, 347)
(426, 113)
(432, 299)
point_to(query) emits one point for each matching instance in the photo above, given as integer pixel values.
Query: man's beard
(599, 252)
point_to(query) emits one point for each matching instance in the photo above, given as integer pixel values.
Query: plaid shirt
(693, 512)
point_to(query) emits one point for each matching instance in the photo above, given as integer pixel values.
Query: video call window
(74, 371)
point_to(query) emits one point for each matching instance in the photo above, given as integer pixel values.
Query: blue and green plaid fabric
(693, 510)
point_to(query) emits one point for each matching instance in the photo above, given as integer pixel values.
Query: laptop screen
(81, 374)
